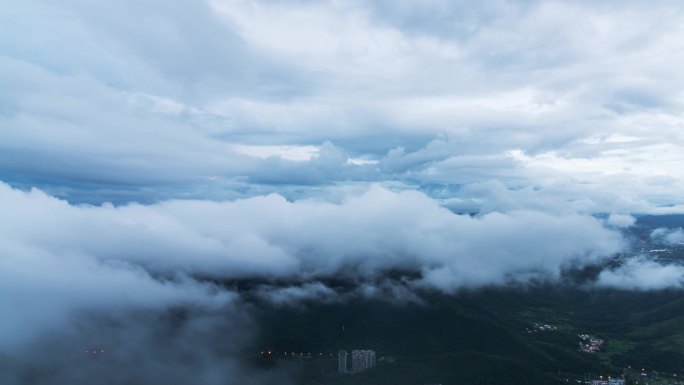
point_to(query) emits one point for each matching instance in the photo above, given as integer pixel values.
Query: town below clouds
(167, 168)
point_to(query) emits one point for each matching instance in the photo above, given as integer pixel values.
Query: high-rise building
(342, 361)
(371, 359)
(362, 360)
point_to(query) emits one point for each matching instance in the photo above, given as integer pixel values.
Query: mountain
(485, 336)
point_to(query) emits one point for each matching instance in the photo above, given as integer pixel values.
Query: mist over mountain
(231, 192)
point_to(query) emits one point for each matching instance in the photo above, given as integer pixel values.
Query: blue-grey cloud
(142, 97)
(68, 257)
(149, 147)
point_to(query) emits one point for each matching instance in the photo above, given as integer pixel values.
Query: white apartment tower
(362, 360)
(342, 361)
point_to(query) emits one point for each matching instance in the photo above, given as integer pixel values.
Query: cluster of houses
(610, 381)
(541, 328)
(590, 344)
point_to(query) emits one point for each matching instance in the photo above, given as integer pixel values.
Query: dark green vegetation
(481, 338)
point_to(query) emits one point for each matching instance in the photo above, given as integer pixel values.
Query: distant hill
(482, 337)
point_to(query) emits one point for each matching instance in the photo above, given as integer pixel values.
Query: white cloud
(545, 96)
(533, 114)
(643, 274)
(620, 220)
(42, 289)
(271, 237)
(669, 236)
(284, 152)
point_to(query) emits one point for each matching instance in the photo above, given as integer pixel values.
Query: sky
(488, 106)
(149, 148)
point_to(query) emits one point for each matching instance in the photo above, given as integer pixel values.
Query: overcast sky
(476, 104)
(147, 145)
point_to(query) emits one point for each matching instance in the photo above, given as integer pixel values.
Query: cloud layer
(643, 274)
(59, 258)
(668, 236)
(571, 103)
(270, 236)
(152, 153)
